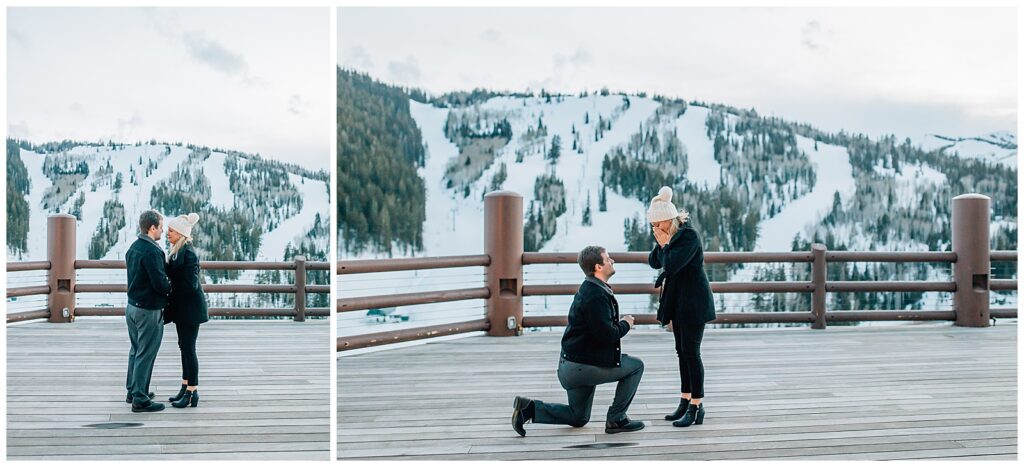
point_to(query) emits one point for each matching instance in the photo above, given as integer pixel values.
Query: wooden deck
(264, 388)
(916, 391)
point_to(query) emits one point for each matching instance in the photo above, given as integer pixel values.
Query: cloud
(578, 59)
(491, 35)
(357, 58)
(18, 130)
(815, 37)
(407, 71)
(211, 53)
(127, 127)
(298, 106)
(77, 107)
(204, 50)
(17, 37)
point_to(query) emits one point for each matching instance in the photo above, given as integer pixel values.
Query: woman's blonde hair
(678, 221)
(177, 246)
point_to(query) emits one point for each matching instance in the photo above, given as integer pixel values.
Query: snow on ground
(314, 201)
(692, 131)
(834, 172)
(221, 195)
(981, 150)
(972, 148)
(36, 240)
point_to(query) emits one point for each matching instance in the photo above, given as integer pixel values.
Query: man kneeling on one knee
(591, 355)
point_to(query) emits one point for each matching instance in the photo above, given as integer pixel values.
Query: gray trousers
(145, 331)
(580, 381)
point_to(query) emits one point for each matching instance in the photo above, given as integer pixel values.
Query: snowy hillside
(999, 147)
(455, 190)
(108, 186)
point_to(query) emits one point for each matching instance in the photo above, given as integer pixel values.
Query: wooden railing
(504, 260)
(62, 286)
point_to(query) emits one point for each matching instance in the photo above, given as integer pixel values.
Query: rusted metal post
(503, 242)
(818, 275)
(60, 251)
(300, 288)
(973, 261)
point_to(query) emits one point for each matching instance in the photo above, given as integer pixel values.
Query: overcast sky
(257, 80)
(907, 71)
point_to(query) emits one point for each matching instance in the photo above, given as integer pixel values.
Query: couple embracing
(591, 344)
(163, 289)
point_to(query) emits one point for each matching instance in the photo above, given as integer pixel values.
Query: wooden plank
(264, 390)
(772, 394)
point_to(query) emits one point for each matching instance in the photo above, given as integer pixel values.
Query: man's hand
(629, 320)
(660, 236)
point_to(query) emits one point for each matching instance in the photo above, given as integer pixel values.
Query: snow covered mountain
(251, 208)
(751, 183)
(998, 147)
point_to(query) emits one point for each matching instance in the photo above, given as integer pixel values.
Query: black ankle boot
(680, 411)
(694, 416)
(181, 392)
(190, 398)
(522, 412)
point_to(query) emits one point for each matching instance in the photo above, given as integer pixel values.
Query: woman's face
(173, 236)
(662, 225)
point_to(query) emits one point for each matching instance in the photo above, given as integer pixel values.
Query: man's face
(607, 267)
(662, 225)
(156, 231)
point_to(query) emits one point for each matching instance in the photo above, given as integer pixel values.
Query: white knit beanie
(183, 224)
(662, 208)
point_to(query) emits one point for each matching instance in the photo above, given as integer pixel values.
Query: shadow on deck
(264, 389)
(888, 392)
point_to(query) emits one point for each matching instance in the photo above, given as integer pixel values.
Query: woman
(686, 301)
(186, 307)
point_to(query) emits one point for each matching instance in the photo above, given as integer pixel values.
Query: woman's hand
(660, 236)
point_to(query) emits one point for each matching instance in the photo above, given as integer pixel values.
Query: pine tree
(586, 212)
(556, 149)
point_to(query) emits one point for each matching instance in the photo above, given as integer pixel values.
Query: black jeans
(187, 336)
(691, 367)
(580, 381)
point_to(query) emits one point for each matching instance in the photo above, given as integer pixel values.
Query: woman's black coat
(187, 303)
(686, 297)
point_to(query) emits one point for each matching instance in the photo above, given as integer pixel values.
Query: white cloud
(298, 106)
(790, 62)
(405, 71)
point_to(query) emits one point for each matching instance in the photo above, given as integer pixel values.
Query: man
(591, 355)
(148, 288)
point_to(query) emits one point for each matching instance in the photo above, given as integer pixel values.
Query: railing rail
(62, 285)
(504, 288)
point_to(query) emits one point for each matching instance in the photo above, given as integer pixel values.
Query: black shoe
(190, 398)
(623, 426)
(148, 406)
(128, 400)
(520, 408)
(680, 411)
(181, 392)
(694, 416)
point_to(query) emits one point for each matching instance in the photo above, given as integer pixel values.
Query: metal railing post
(503, 242)
(819, 270)
(300, 288)
(60, 251)
(971, 270)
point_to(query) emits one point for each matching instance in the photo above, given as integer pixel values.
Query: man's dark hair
(589, 258)
(149, 219)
